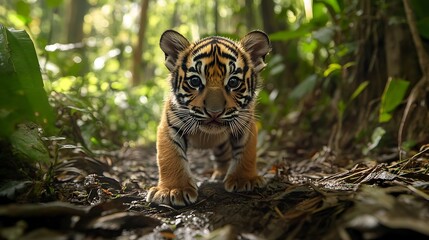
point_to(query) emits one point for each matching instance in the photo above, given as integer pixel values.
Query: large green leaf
(393, 95)
(22, 96)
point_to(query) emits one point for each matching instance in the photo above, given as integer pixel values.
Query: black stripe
(203, 55)
(245, 69)
(197, 68)
(192, 69)
(230, 111)
(189, 101)
(241, 90)
(216, 62)
(228, 56)
(184, 58)
(197, 110)
(235, 139)
(179, 142)
(183, 148)
(175, 128)
(222, 146)
(232, 68)
(253, 81)
(201, 44)
(235, 154)
(198, 47)
(185, 88)
(237, 71)
(174, 81)
(230, 45)
(216, 40)
(183, 95)
(222, 150)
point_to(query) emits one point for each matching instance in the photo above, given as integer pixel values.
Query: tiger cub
(214, 84)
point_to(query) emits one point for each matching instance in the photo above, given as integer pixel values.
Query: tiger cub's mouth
(214, 122)
(213, 126)
(213, 129)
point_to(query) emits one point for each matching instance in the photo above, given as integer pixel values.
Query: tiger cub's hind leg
(221, 156)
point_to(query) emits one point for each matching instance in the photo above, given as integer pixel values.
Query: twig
(421, 53)
(419, 88)
(414, 190)
(281, 215)
(408, 159)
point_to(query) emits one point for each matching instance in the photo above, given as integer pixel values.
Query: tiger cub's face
(214, 81)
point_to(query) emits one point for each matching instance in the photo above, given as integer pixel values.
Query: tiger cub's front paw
(242, 184)
(173, 196)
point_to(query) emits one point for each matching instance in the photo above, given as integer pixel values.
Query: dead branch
(419, 89)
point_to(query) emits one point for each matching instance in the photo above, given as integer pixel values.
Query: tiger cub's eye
(195, 82)
(233, 82)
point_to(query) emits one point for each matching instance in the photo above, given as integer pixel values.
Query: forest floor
(308, 196)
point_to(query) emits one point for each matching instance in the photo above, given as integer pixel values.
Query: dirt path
(304, 199)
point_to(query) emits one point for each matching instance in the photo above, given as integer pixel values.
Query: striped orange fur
(214, 84)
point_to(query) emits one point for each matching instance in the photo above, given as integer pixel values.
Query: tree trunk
(138, 49)
(249, 14)
(287, 50)
(78, 9)
(216, 16)
(175, 19)
(74, 28)
(384, 51)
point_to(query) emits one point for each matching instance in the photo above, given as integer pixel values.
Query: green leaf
(54, 3)
(384, 117)
(23, 9)
(22, 96)
(320, 14)
(333, 67)
(393, 95)
(304, 87)
(376, 137)
(359, 89)
(28, 145)
(331, 3)
(11, 188)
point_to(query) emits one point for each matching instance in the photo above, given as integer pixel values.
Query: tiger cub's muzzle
(214, 104)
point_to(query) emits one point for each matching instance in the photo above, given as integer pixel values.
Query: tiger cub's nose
(214, 114)
(215, 102)
(214, 110)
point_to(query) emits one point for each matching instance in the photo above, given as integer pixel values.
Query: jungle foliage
(333, 64)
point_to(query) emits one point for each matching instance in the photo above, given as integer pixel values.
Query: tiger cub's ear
(172, 43)
(258, 45)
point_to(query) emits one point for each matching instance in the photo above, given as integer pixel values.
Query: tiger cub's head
(214, 80)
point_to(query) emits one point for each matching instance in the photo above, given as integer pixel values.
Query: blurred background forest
(345, 74)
